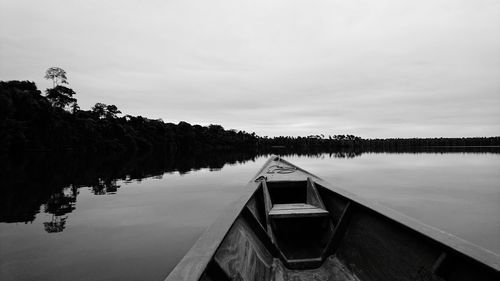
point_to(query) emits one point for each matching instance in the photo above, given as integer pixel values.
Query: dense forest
(33, 121)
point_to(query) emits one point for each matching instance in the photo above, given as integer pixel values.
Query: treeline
(313, 143)
(399, 143)
(31, 121)
(332, 143)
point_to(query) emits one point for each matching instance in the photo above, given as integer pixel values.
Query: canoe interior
(294, 228)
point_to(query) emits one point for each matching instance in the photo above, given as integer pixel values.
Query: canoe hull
(358, 240)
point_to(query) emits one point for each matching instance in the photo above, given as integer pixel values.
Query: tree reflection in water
(105, 186)
(57, 224)
(59, 204)
(50, 182)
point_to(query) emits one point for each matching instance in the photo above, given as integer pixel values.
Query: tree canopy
(61, 97)
(57, 75)
(102, 110)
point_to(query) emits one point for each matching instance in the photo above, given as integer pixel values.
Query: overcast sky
(370, 68)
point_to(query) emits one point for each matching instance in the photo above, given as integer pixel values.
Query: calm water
(134, 219)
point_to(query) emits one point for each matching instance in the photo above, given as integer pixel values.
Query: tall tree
(57, 75)
(60, 96)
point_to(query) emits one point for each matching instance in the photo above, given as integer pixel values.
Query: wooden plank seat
(296, 210)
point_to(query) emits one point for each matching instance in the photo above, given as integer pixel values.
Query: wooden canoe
(292, 225)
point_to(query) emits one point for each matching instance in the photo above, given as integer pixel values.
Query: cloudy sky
(274, 67)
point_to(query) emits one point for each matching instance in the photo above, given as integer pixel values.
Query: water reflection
(51, 182)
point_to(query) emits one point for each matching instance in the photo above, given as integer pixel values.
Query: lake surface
(134, 219)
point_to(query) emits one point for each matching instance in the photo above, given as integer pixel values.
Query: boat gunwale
(205, 247)
(202, 251)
